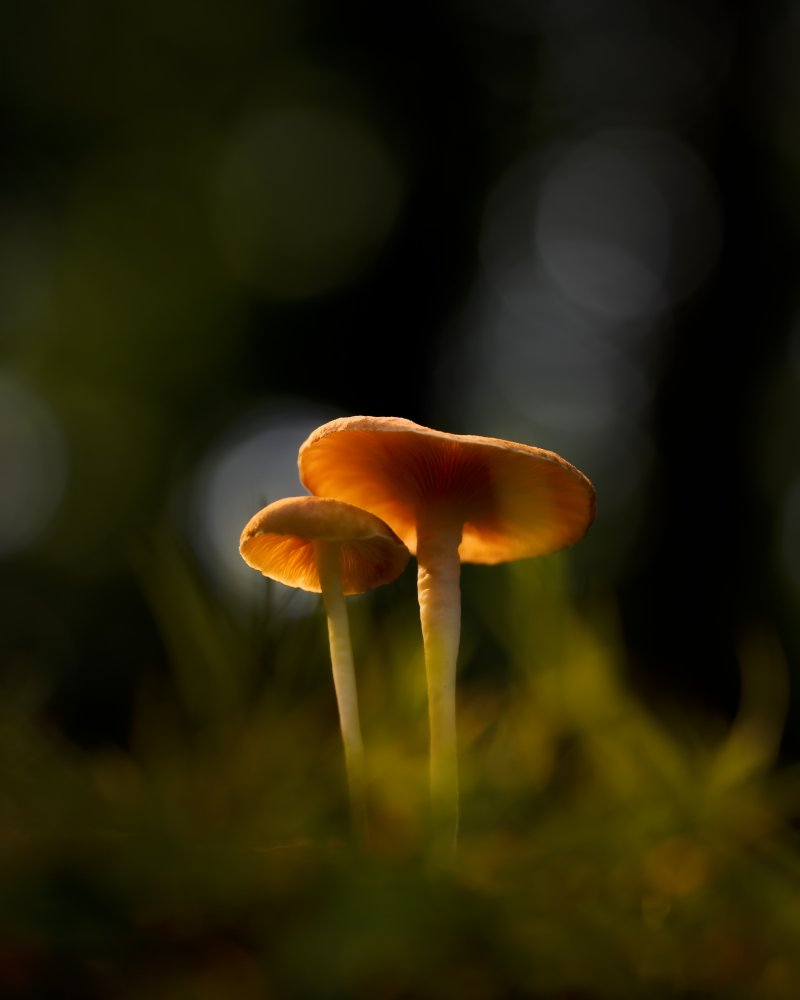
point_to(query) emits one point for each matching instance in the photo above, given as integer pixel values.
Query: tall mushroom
(329, 547)
(451, 498)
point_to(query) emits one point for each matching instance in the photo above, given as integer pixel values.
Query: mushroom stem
(439, 594)
(344, 677)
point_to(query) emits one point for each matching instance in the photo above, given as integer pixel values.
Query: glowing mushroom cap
(280, 542)
(515, 501)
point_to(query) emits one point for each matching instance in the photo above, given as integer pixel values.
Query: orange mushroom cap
(279, 541)
(515, 501)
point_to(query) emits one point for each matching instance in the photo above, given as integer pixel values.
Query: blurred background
(571, 224)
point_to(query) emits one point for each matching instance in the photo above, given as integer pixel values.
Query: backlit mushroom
(451, 498)
(329, 547)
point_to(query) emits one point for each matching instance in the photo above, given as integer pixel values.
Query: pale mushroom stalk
(344, 677)
(439, 595)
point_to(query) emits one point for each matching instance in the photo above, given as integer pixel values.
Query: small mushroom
(329, 547)
(451, 498)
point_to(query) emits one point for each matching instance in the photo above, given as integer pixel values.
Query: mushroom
(329, 547)
(451, 498)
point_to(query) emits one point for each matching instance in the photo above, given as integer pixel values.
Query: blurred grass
(604, 852)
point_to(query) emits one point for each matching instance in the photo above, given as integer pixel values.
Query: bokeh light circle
(628, 222)
(251, 463)
(307, 196)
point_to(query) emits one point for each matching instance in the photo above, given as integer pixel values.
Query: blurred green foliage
(602, 853)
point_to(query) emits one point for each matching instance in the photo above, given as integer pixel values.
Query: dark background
(570, 224)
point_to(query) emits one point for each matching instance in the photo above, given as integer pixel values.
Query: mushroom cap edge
(516, 500)
(279, 541)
